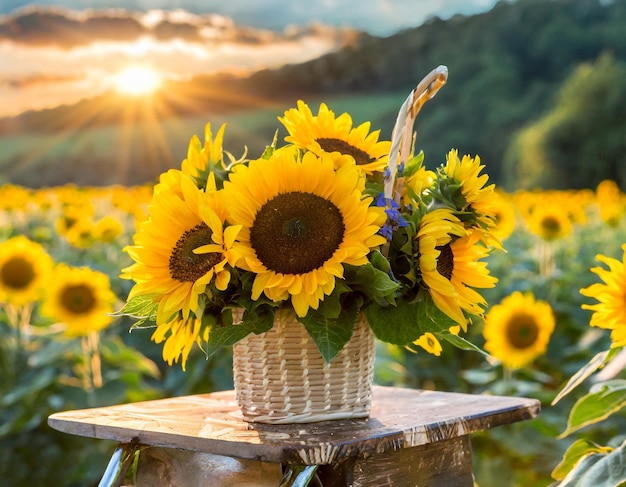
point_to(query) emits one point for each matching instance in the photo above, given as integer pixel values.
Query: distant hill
(505, 67)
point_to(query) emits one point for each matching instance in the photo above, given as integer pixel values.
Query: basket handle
(401, 136)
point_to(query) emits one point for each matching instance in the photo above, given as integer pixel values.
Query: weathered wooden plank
(400, 418)
(166, 467)
(446, 463)
(443, 464)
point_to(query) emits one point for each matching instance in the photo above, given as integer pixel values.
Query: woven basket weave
(280, 376)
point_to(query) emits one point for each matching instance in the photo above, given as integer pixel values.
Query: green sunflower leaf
(139, 307)
(379, 261)
(372, 282)
(431, 318)
(413, 164)
(598, 469)
(576, 451)
(460, 342)
(227, 336)
(330, 335)
(331, 306)
(397, 325)
(144, 323)
(598, 361)
(603, 400)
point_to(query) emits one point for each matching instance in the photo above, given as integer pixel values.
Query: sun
(136, 81)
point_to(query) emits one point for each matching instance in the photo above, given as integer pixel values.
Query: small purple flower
(394, 218)
(386, 231)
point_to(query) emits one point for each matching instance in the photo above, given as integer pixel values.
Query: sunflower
(13, 197)
(301, 221)
(79, 297)
(550, 221)
(181, 248)
(203, 159)
(505, 217)
(417, 184)
(326, 134)
(81, 233)
(429, 342)
(611, 202)
(476, 197)
(24, 269)
(610, 311)
(518, 329)
(450, 266)
(107, 229)
(179, 335)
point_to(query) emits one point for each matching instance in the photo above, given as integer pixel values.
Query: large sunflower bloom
(518, 329)
(79, 297)
(326, 134)
(610, 311)
(181, 249)
(24, 269)
(450, 266)
(301, 221)
(478, 198)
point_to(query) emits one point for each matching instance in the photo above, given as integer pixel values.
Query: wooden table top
(212, 423)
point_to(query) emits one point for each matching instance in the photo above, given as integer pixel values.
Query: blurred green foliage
(580, 141)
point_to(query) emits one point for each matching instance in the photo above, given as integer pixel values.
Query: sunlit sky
(79, 48)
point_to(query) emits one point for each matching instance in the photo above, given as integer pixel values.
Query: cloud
(67, 29)
(378, 17)
(36, 80)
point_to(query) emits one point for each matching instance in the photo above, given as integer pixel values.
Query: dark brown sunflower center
(445, 262)
(522, 331)
(78, 299)
(185, 265)
(17, 273)
(295, 233)
(550, 226)
(69, 221)
(337, 145)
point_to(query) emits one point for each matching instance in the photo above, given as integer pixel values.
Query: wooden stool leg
(121, 460)
(301, 475)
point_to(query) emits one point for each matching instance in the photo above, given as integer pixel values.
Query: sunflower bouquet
(333, 225)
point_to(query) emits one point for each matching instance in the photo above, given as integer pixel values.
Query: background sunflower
(518, 330)
(24, 269)
(79, 297)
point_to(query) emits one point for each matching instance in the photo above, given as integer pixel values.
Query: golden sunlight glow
(136, 81)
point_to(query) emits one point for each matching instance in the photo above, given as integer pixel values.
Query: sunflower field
(554, 314)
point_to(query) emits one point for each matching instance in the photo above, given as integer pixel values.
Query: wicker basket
(280, 376)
